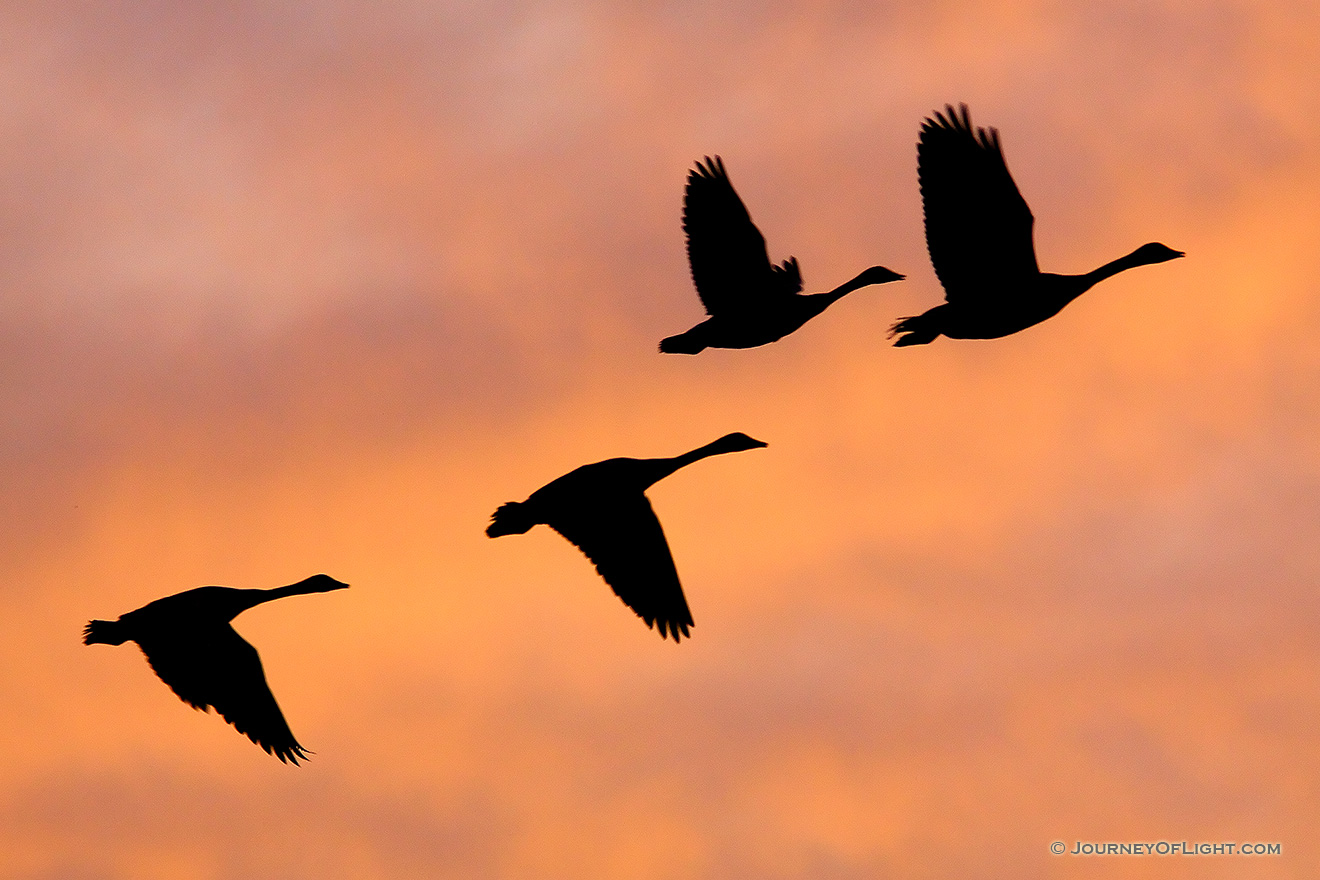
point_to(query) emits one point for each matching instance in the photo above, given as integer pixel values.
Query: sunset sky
(314, 286)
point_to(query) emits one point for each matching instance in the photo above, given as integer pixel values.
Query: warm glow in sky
(313, 287)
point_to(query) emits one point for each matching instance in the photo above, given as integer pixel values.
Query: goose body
(979, 232)
(602, 509)
(750, 301)
(190, 645)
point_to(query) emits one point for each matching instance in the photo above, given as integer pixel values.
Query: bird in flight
(979, 234)
(603, 510)
(191, 647)
(750, 301)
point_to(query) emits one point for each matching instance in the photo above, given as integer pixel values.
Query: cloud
(301, 288)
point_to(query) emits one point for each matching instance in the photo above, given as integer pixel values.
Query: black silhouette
(979, 234)
(750, 301)
(190, 645)
(602, 508)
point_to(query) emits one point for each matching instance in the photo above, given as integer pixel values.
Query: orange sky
(316, 286)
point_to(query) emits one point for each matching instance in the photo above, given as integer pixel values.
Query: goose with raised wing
(190, 645)
(750, 301)
(603, 510)
(979, 235)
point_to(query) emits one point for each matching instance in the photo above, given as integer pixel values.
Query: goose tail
(512, 518)
(105, 632)
(683, 343)
(918, 329)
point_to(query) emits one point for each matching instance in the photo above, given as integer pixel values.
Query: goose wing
(978, 226)
(625, 542)
(730, 265)
(218, 669)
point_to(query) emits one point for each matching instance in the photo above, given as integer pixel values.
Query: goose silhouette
(603, 510)
(750, 301)
(979, 234)
(191, 647)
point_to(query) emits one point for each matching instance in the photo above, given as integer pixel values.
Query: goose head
(1155, 253)
(736, 442)
(879, 275)
(321, 583)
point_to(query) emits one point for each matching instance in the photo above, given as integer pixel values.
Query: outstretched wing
(628, 547)
(217, 668)
(730, 265)
(978, 226)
